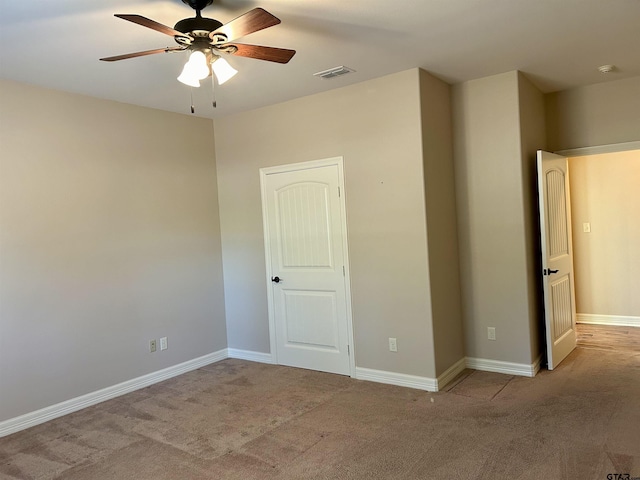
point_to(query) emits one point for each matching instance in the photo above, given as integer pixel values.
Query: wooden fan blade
(270, 54)
(252, 21)
(141, 54)
(153, 25)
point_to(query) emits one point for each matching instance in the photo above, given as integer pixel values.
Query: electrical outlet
(152, 346)
(586, 227)
(163, 343)
(393, 344)
(491, 333)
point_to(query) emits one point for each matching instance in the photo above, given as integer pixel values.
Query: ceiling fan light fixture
(222, 69)
(195, 69)
(188, 80)
(204, 37)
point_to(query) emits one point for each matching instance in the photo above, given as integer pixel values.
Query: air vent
(334, 72)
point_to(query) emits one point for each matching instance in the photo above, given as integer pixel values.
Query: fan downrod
(197, 24)
(198, 5)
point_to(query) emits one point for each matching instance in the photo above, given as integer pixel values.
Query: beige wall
(442, 229)
(109, 229)
(109, 237)
(376, 126)
(605, 193)
(532, 139)
(493, 186)
(600, 114)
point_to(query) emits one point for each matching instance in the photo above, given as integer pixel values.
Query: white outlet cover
(163, 343)
(491, 333)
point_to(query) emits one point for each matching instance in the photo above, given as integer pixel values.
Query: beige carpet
(243, 420)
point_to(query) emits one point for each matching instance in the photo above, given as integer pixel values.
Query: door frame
(599, 149)
(333, 161)
(581, 152)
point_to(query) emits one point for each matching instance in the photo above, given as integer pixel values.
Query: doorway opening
(605, 201)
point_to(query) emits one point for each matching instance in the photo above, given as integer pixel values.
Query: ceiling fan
(206, 38)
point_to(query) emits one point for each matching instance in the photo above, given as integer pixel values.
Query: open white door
(306, 262)
(557, 256)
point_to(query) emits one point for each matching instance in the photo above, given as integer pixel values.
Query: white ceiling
(558, 43)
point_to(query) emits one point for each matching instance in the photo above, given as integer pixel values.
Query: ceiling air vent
(334, 72)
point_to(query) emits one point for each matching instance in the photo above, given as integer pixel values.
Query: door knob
(275, 279)
(548, 271)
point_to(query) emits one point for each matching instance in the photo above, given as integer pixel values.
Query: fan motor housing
(189, 25)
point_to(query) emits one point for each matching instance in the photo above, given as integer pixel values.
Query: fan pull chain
(213, 91)
(193, 109)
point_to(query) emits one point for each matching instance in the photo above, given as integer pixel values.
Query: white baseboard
(398, 379)
(249, 355)
(509, 368)
(32, 419)
(437, 384)
(452, 372)
(614, 320)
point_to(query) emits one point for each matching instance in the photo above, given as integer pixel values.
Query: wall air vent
(334, 72)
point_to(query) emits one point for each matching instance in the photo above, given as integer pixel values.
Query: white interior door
(306, 263)
(557, 256)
